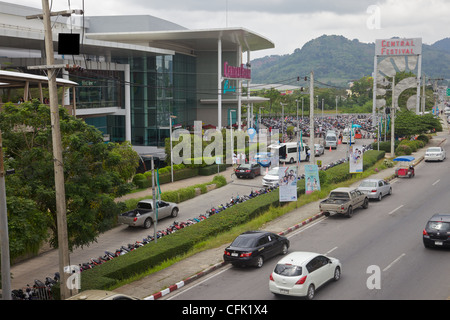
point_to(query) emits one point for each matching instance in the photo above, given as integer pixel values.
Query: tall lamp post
(171, 156)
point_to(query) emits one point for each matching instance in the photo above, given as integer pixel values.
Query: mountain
(337, 60)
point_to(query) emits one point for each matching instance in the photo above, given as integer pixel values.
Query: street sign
(448, 92)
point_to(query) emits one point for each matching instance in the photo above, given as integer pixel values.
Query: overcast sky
(289, 24)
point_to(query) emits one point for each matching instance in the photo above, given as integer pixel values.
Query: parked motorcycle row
(43, 290)
(321, 124)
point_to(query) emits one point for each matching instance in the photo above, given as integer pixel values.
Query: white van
(347, 135)
(288, 152)
(331, 140)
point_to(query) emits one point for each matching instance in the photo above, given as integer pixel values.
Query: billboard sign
(398, 47)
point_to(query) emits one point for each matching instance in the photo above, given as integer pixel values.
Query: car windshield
(331, 138)
(243, 241)
(439, 225)
(288, 270)
(273, 172)
(339, 195)
(244, 166)
(370, 184)
(434, 150)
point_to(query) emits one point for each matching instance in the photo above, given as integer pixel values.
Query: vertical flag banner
(312, 181)
(356, 159)
(288, 184)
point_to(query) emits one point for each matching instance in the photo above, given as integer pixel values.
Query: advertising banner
(356, 159)
(288, 183)
(312, 181)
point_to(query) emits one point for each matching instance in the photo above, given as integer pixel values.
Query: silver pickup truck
(143, 215)
(343, 201)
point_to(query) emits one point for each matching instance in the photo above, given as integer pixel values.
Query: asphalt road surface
(380, 245)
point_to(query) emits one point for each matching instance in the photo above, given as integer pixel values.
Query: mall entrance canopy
(16, 80)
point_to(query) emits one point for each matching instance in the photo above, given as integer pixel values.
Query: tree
(95, 172)
(407, 123)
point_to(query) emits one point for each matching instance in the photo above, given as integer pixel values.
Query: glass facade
(160, 86)
(114, 126)
(99, 89)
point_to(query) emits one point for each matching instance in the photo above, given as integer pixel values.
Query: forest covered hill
(337, 60)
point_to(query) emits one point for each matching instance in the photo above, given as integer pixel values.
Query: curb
(186, 281)
(205, 272)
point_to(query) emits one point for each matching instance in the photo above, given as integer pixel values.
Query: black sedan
(247, 170)
(437, 231)
(252, 248)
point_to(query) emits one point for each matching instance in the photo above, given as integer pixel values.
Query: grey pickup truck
(143, 215)
(343, 201)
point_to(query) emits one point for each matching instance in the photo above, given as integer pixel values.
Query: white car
(375, 188)
(271, 178)
(319, 149)
(302, 273)
(435, 154)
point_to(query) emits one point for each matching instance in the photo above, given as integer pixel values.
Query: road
(122, 235)
(384, 240)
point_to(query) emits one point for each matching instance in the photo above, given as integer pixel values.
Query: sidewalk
(190, 269)
(176, 185)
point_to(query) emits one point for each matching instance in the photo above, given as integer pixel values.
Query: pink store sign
(232, 72)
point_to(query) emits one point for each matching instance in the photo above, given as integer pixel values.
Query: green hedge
(211, 169)
(144, 180)
(152, 254)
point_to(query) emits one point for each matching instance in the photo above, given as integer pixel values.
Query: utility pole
(5, 263)
(63, 247)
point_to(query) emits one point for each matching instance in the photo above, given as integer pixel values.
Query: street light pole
(170, 137)
(312, 156)
(393, 119)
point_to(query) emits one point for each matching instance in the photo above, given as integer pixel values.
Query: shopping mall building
(137, 72)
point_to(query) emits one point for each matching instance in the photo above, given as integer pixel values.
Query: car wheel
(337, 274)
(311, 292)
(349, 212)
(174, 212)
(379, 196)
(390, 191)
(291, 161)
(259, 262)
(147, 223)
(284, 250)
(366, 203)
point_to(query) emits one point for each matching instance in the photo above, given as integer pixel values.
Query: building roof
(196, 40)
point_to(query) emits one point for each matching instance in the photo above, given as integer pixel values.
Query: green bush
(212, 169)
(423, 137)
(403, 150)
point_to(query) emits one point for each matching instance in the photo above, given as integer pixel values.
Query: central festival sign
(231, 72)
(398, 47)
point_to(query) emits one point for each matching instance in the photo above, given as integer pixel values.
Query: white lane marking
(199, 283)
(327, 253)
(436, 182)
(393, 262)
(396, 209)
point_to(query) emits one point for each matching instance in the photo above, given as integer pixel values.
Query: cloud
(288, 23)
